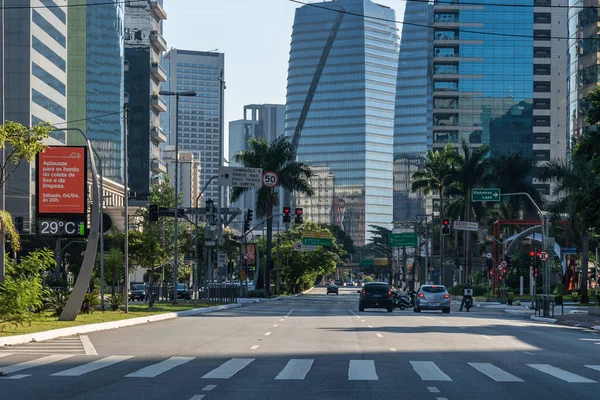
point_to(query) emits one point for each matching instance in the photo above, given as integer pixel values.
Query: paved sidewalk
(581, 320)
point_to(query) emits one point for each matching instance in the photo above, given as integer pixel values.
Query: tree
(113, 264)
(381, 244)
(19, 143)
(434, 177)
(277, 157)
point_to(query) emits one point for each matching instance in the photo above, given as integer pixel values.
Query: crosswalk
(294, 369)
(79, 344)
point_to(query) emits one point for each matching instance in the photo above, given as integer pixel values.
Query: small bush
(115, 301)
(90, 302)
(257, 293)
(55, 301)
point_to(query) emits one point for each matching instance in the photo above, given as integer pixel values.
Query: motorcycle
(468, 303)
(404, 301)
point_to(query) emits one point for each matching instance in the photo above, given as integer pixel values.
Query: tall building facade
(189, 175)
(499, 77)
(349, 128)
(261, 121)
(583, 62)
(144, 45)
(199, 116)
(34, 78)
(413, 124)
(95, 86)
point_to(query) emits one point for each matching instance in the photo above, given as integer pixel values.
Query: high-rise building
(261, 121)
(349, 128)
(95, 80)
(497, 77)
(413, 127)
(34, 79)
(144, 45)
(199, 116)
(189, 174)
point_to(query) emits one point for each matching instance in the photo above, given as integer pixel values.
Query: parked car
(138, 292)
(376, 295)
(432, 297)
(338, 282)
(332, 289)
(183, 291)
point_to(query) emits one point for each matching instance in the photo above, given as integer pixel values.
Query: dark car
(137, 292)
(376, 295)
(338, 282)
(432, 297)
(332, 289)
(183, 292)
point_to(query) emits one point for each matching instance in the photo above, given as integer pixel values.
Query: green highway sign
(309, 241)
(408, 239)
(485, 194)
(366, 262)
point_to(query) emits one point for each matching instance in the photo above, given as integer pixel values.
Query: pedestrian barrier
(222, 293)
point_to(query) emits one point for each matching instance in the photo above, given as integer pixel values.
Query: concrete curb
(542, 319)
(74, 330)
(305, 292)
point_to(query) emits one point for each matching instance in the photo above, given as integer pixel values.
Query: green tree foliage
(341, 237)
(434, 177)
(21, 293)
(113, 268)
(277, 157)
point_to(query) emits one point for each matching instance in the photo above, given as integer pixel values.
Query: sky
(255, 37)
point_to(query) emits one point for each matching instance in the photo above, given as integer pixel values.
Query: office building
(261, 121)
(413, 126)
(349, 128)
(95, 88)
(199, 116)
(189, 175)
(144, 45)
(34, 80)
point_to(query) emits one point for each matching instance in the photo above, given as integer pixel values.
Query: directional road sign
(466, 226)
(309, 241)
(544, 255)
(240, 177)
(569, 250)
(407, 239)
(485, 195)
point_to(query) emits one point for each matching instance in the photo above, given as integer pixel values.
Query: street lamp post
(175, 244)
(196, 238)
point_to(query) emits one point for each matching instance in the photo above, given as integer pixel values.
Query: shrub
(55, 301)
(115, 301)
(458, 290)
(90, 302)
(257, 293)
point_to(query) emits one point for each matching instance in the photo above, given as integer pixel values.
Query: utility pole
(221, 188)
(278, 242)
(126, 209)
(3, 150)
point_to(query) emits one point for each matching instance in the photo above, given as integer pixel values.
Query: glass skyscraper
(349, 129)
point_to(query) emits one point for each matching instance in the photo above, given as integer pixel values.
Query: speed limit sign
(270, 179)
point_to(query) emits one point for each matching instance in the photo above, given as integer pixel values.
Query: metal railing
(222, 293)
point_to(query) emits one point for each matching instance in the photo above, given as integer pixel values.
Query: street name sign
(313, 234)
(407, 239)
(241, 177)
(311, 241)
(485, 194)
(466, 226)
(569, 250)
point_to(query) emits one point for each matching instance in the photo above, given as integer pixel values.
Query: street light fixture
(175, 257)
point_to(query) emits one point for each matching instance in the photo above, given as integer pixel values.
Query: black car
(137, 292)
(332, 289)
(183, 292)
(376, 295)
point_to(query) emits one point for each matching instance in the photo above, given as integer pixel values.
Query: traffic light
(490, 264)
(508, 260)
(532, 259)
(247, 220)
(210, 212)
(536, 271)
(445, 226)
(153, 212)
(249, 214)
(287, 217)
(298, 216)
(19, 224)
(491, 273)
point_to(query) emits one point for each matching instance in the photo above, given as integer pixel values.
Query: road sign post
(485, 194)
(407, 239)
(241, 177)
(466, 226)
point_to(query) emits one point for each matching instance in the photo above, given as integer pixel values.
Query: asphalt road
(313, 347)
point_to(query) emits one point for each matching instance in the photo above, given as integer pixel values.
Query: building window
(48, 79)
(50, 55)
(445, 17)
(445, 86)
(542, 18)
(541, 155)
(56, 10)
(48, 28)
(541, 138)
(541, 104)
(446, 35)
(445, 69)
(541, 69)
(542, 34)
(446, 52)
(445, 137)
(542, 3)
(541, 120)
(48, 104)
(588, 76)
(445, 103)
(541, 87)
(542, 52)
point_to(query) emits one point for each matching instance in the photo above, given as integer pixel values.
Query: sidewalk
(579, 320)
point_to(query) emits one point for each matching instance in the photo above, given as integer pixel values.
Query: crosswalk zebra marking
(362, 370)
(92, 366)
(18, 376)
(154, 370)
(34, 363)
(229, 368)
(428, 371)
(594, 367)
(494, 372)
(560, 373)
(296, 369)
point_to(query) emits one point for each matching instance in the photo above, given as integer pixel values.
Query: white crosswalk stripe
(494, 372)
(65, 345)
(92, 366)
(229, 368)
(362, 370)
(295, 369)
(560, 373)
(34, 363)
(594, 367)
(429, 371)
(154, 370)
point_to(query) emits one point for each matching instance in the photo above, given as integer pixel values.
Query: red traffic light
(538, 253)
(531, 253)
(286, 210)
(298, 211)
(445, 221)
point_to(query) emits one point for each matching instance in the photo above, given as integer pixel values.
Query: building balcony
(158, 10)
(158, 134)
(158, 41)
(126, 66)
(157, 180)
(126, 98)
(158, 104)
(158, 166)
(158, 72)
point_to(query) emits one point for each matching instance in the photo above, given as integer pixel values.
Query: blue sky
(255, 37)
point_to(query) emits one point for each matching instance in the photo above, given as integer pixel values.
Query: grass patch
(46, 321)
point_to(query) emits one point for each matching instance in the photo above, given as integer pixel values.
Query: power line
(87, 119)
(482, 3)
(515, 35)
(74, 5)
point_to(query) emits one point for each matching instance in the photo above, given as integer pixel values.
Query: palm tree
(277, 157)
(576, 185)
(433, 178)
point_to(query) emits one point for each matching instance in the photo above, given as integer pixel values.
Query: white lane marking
(92, 366)
(393, 349)
(228, 368)
(494, 372)
(591, 340)
(560, 373)
(430, 318)
(288, 314)
(379, 335)
(428, 371)
(275, 325)
(268, 334)
(88, 347)
(353, 313)
(362, 370)
(5, 354)
(444, 322)
(594, 367)
(441, 398)
(154, 370)
(370, 326)
(433, 389)
(295, 369)
(198, 397)
(527, 352)
(18, 376)
(282, 319)
(35, 363)
(487, 337)
(208, 388)
(254, 347)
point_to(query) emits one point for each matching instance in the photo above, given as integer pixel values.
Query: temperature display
(61, 227)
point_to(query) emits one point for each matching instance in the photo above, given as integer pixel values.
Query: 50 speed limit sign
(270, 179)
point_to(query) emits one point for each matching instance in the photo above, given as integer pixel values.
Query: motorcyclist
(466, 296)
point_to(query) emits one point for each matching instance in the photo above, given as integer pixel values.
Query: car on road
(338, 282)
(376, 295)
(432, 297)
(332, 289)
(183, 292)
(137, 292)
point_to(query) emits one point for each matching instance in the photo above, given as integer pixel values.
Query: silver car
(432, 297)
